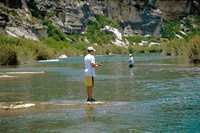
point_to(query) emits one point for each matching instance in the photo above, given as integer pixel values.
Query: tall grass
(136, 39)
(194, 51)
(8, 55)
(15, 51)
(144, 49)
(190, 49)
(55, 44)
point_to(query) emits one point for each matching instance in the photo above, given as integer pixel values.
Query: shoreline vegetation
(189, 49)
(15, 51)
(183, 39)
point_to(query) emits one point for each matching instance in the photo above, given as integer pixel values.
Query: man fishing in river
(89, 71)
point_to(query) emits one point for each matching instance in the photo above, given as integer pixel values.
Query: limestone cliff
(23, 17)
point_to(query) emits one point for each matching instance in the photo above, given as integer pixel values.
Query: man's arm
(93, 64)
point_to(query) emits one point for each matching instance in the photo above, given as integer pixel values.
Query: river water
(160, 94)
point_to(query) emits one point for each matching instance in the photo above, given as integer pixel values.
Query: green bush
(8, 55)
(73, 51)
(144, 49)
(81, 46)
(57, 45)
(118, 50)
(34, 9)
(95, 35)
(43, 54)
(53, 31)
(176, 47)
(134, 39)
(194, 51)
(170, 28)
(103, 21)
(190, 49)
(138, 38)
(15, 51)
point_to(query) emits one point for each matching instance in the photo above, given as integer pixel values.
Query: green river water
(159, 95)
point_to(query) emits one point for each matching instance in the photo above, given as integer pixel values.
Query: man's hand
(96, 65)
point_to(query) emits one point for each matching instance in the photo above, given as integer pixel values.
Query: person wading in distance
(131, 63)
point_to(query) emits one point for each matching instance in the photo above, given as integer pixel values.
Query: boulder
(63, 56)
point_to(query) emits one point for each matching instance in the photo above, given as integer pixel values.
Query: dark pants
(130, 65)
(92, 81)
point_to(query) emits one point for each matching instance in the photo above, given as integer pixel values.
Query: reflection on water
(90, 113)
(157, 95)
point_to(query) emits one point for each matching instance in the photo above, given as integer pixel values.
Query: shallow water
(160, 94)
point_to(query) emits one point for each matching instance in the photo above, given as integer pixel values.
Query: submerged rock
(17, 105)
(6, 76)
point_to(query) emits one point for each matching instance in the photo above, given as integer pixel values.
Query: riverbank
(14, 51)
(187, 48)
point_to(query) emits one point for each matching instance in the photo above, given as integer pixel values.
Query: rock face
(118, 35)
(16, 20)
(12, 3)
(71, 16)
(3, 22)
